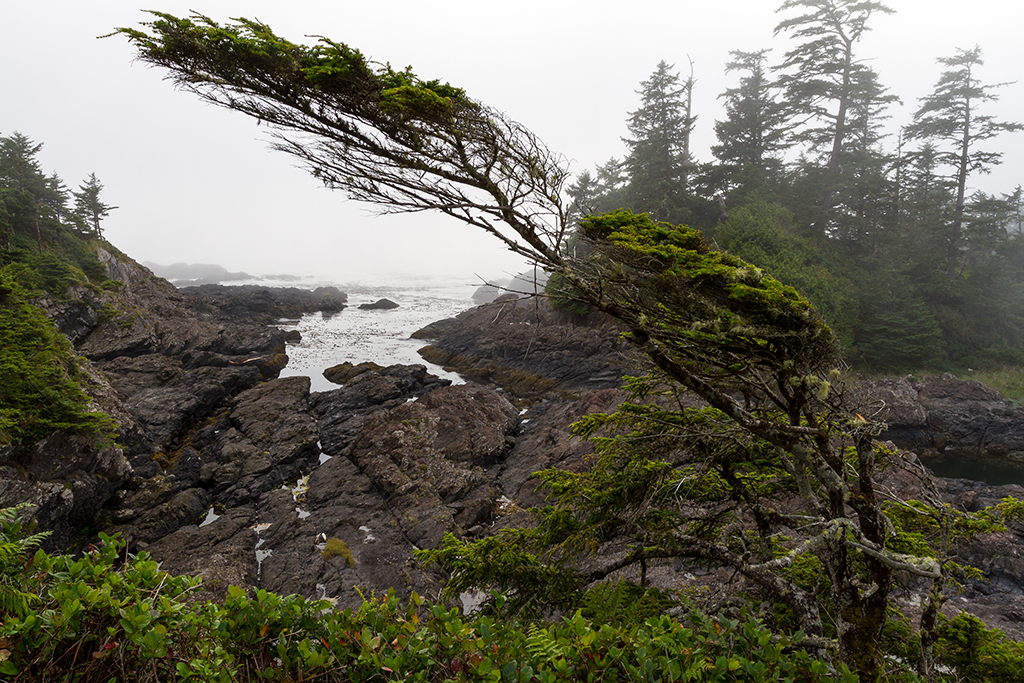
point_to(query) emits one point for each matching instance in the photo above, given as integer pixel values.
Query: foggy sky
(198, 184)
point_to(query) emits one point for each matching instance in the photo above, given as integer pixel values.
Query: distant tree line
(40, 207)
(881, 232)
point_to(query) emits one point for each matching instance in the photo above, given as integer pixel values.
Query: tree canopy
(736, 447)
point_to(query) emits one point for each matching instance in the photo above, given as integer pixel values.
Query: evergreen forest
(50, 237)
(874, 220)
(815, 238)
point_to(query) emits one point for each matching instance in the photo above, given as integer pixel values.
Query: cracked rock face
(405, 460)
(237, 476)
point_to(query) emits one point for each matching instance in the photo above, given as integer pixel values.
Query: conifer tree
(824, 82)
(658, 161)
(88, 205)
(753, 133)
(949, 118)
(19, 166)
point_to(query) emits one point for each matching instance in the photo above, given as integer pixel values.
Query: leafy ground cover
(108, 616)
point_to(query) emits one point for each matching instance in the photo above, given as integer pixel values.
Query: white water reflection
(378, 336)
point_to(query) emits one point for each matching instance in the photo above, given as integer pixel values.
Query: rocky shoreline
(226, 471)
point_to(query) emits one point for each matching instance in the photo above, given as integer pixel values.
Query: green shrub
(110, 616)
(976, 653)
(335, 547)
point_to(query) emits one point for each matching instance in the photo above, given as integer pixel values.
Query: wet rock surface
(531, 349)
(946, 414)
(228, 472)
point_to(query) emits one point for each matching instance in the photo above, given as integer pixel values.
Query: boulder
(345, 372)
(379, 305)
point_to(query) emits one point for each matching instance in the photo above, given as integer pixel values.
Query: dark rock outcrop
(379, 305)
(267, 305)
(945, 414)
(530, 349)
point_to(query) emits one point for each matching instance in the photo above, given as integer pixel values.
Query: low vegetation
(111, 616)
(107, 615)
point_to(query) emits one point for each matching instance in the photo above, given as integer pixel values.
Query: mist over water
(379, 336)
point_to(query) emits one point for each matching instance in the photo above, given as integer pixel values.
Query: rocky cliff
(226, 471)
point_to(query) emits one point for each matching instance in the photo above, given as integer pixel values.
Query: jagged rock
(546, 442)
(221, 553)
(946, 414)
(345, 372)
(342, 504)
(122, 270)
(425, 454)
(530, 349)
(164, 412)
(159, 507)
(272, 439)
(379, 305)
(68, 477)
(341, 413)
(76, 314)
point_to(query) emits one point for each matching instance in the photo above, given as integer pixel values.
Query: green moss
(335, 547)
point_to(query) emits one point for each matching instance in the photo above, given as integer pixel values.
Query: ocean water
(989, 470)
(379, 336)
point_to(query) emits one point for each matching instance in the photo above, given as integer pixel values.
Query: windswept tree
(767, 421)
(950, 120)
(88, 205)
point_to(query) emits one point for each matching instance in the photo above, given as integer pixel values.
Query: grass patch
(1008, 381)
(335, 547)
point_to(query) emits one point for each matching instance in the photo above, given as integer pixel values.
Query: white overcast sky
(198, 184)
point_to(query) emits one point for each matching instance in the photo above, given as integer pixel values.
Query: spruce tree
(753, 134)
(88, 205)
(658, 160)
(949, 119)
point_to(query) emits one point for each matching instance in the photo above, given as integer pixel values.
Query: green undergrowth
(41, 389)
(108, 615)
